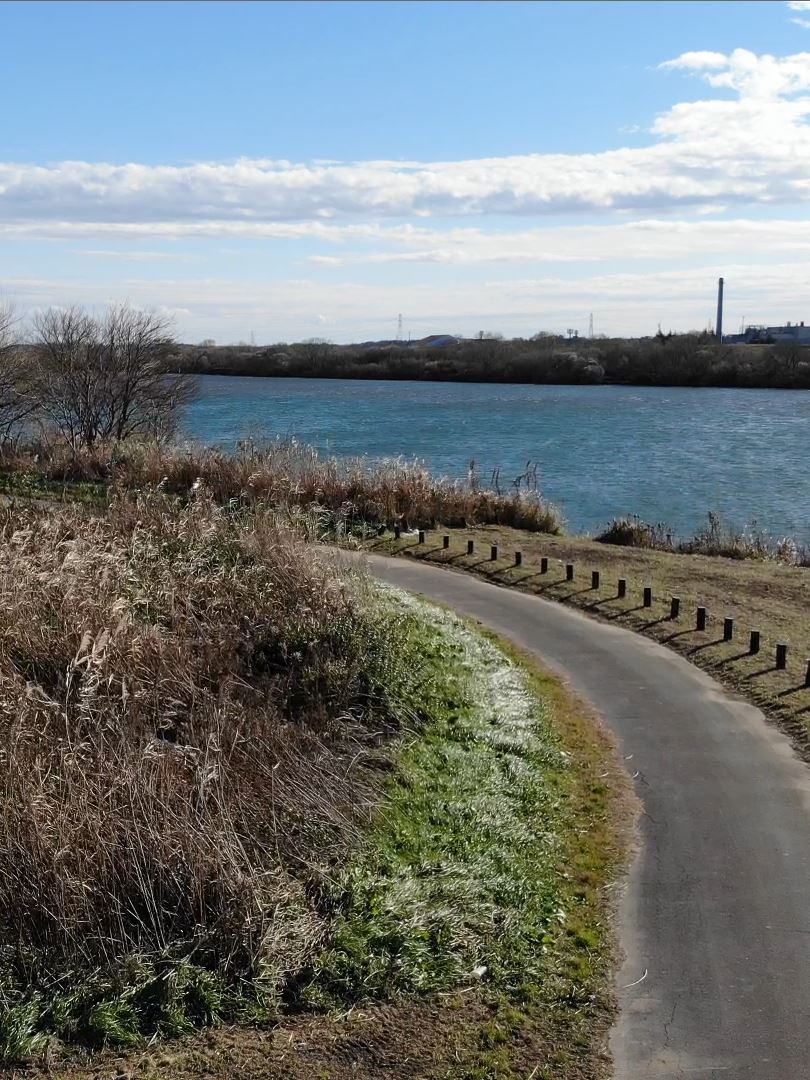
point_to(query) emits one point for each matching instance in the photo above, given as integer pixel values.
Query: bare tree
(105, 379)
(17, 402)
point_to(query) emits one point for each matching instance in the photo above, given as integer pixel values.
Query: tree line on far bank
(694, 359)
(92, 379)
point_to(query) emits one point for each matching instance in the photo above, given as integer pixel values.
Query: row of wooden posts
(755, 639)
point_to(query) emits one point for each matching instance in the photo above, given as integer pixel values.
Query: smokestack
(719, 324)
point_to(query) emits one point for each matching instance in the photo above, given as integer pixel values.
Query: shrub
(631, 531)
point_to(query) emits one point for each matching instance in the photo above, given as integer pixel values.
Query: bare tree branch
(102, 380)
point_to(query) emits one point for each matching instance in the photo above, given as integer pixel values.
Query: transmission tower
(590, 326)
(399, 327)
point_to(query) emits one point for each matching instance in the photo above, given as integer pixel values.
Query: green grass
(478, 872)
(33, 485)
(458, 882)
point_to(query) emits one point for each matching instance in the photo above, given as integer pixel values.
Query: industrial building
(789, 334)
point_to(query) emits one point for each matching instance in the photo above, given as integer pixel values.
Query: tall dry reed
(351, 491)
(189, 702)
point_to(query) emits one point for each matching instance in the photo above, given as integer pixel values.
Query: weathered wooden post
(781, 657)
(622, 590)
(445, 542)
(397, 532)
(569, 571)
(675, 607)
(518, 558)
(493, 553)
(544, 565)
(647, 596)
(728, 629)
(594, 579)
(470, 547)
(807, 676)
(421, 536)
(700, 623)
(754, 643)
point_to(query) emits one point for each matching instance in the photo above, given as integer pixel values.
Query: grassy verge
(758, 594)
(469, 932)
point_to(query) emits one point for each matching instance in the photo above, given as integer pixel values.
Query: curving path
(715, 918)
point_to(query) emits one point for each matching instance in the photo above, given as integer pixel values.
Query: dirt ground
(453, 1039)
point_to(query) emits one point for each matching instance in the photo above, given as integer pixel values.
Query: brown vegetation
(349, 493)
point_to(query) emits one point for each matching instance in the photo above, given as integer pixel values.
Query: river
(667, 454)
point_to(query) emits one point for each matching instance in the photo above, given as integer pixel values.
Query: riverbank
(757, 594)
(251, 826)
(663, 360)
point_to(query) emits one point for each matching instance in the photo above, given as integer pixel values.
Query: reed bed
(191, 706)
(349, 492)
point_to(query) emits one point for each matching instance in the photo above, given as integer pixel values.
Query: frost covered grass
(460, 879)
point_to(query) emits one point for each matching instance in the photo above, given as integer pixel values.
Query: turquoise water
(670, 455)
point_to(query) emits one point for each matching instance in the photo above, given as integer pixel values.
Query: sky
(282, 171)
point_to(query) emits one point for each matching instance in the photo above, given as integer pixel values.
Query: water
(669, 455)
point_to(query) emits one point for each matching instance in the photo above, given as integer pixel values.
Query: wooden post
(728, 629)
(781, 657)
(754, 644)
(470, 547)
(807, 676)
(622, 588)
(675, 607)
(397, 532)
(700, 623)
(421, 536)
(493, 553)
(544, 565)
(518, 558)
(647, 596)
(569, 571)
(594, 579)
(445, 542)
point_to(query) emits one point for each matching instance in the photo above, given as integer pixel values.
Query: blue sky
(312, 169)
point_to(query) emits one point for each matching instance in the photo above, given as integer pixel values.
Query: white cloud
(753, 149)
(646, 239)
(129, 256)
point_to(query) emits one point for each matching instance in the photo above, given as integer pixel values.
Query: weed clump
(715, 538)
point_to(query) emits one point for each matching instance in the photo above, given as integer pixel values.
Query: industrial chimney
(719, 324)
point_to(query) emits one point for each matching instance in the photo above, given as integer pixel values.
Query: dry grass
(189, 709)
(349, 493)
(714, 538)
(766, 595)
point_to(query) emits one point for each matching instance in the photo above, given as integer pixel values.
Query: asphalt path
(715, 913)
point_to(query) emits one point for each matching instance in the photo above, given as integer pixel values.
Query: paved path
(715, 920)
